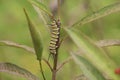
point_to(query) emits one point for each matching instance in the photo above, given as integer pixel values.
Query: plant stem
(56, 55)
(42, 70)
(58, 10)
(55, 66)
(47, 63)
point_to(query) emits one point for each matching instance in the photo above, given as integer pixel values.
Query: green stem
(42, 70)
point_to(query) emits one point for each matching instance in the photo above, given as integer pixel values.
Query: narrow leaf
(41, 14)
(14, 69)
(35, 38)
(87, 68)
(94, 54)
(107, 43)
(99, 14)
(16, 45)
(40, 6)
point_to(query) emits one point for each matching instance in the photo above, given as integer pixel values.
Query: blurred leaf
(41, 6)
(13, 44)
(99, 14)
(42, 14)
(94, 53)
(14, 69)
(35, 38)
(107, 43)
(87, 68)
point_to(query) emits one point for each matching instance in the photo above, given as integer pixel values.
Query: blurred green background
(13, 27)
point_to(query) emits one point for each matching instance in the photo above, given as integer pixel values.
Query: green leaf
(87, 68)
(14, 69)
(94, 54)
(35, 38)
(40, 6)
(16, 45)
(99, 14)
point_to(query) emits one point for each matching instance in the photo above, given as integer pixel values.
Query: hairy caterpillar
(55, 36)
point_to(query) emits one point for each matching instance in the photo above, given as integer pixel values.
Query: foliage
(92, 60)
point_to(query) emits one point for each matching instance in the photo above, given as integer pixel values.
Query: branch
(47, 64)
(107, 43)
(63, 63)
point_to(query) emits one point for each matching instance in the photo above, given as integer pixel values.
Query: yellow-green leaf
(99, 14)
(94, 54)
(16, 70)
(35, 38)
(87, 68)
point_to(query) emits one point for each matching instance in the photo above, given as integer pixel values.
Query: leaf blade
(108, 43)
(16, 45)
(95, 54)
(87, 68)
(16, 70)
(98, 14)
(36, 39)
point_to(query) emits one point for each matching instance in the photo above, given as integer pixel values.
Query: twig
(47, 64)
(42, 70)
(64, 62)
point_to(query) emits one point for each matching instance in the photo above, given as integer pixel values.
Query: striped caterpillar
(55, 36)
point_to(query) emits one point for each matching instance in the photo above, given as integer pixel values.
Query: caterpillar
(55, 36)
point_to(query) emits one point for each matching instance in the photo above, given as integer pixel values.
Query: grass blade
(16, 45)
(99, 14)
(35, 38)
(87, 68)
(94, 53)
(14, 69)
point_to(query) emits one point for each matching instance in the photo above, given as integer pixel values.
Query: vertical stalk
(54, 72)
(42, 70)
(55, 66)
(58, 10)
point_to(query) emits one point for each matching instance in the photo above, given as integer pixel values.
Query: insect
(55, 36)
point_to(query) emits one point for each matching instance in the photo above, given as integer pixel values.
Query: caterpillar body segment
(55, 36)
